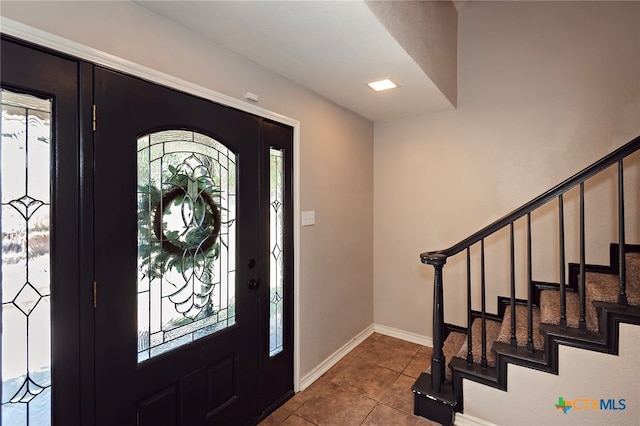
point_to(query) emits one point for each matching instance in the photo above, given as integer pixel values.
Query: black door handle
(253, 284)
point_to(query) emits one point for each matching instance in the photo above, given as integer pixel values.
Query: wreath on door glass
(182, 223)
(201, 223)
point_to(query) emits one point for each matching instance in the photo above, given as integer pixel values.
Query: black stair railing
(439, 258)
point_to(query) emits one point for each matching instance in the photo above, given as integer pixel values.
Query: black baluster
(563, 293)
(514, 341)
(582, 327)
(483, 362)
(530, 347)
(622, 295)
(469, 316)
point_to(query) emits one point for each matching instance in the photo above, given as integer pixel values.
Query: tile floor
(369, 386)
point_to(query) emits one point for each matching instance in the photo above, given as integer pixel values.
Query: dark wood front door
(178, 257)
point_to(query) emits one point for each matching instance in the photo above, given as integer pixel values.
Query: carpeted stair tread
(452, 344)
(493, 330)
(604, 287)
(600, 288)
(550, 310)
(450, 348)
(521, 327)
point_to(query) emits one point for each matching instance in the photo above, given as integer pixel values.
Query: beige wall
(336, 153)
(544, 89)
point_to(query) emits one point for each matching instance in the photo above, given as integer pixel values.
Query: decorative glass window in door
(186, 239)
(24, 279)
(276, 264)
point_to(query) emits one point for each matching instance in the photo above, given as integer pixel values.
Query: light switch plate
(308, 218)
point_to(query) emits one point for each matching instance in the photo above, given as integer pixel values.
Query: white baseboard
(325, 365)
(403, 335)
(466, 420)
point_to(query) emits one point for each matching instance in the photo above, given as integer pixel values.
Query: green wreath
(201, 238)
(164, 248)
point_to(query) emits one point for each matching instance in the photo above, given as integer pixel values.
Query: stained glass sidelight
(24, 278)
(276, 225)
(186, 239)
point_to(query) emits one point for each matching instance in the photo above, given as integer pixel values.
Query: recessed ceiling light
(380, 85)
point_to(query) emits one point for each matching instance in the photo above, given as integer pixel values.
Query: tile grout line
(369, 413)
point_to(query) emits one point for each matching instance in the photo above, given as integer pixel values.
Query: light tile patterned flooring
(370, 386)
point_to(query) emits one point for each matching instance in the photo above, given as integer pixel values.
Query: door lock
(253, 284)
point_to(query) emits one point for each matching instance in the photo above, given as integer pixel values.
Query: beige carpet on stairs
(600, 288)
(456, 344)
(493, 330)
(604, 287)
(521, 327)
(550, 311)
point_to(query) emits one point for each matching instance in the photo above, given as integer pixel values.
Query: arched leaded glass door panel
(186, 239)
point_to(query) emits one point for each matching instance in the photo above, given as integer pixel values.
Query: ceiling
(330, 47)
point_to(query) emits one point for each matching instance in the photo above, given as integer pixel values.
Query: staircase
(582, 310)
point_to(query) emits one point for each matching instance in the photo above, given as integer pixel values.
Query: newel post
(437, 358)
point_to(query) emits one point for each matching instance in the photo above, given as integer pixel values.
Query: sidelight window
(25, 269)
(276, 266)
